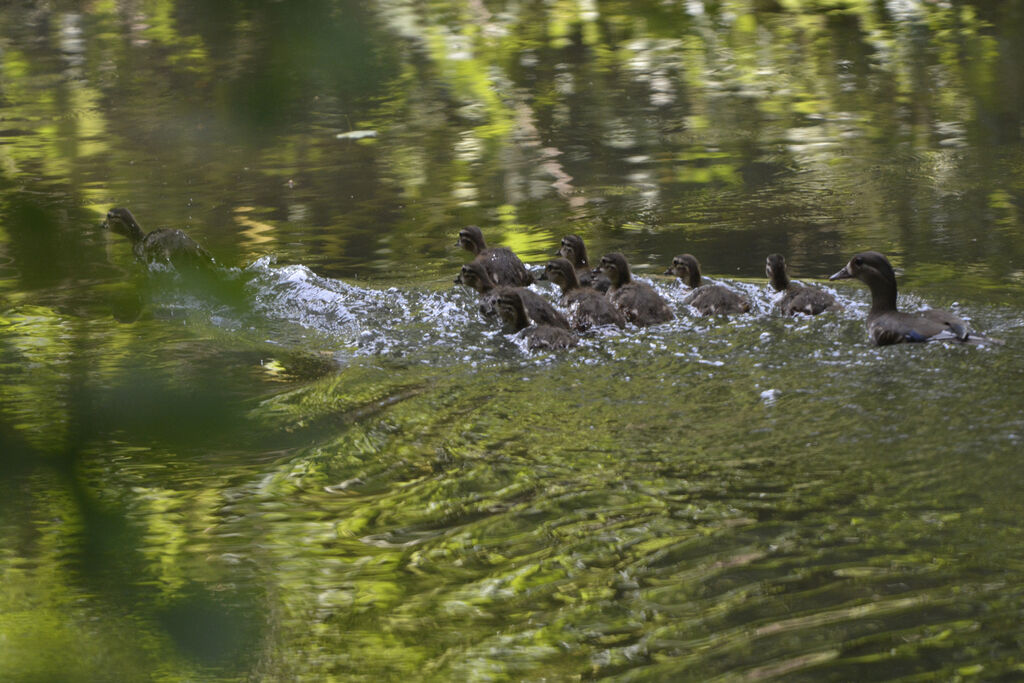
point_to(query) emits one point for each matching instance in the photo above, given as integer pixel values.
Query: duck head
(775, 269)
(616, 269)
(874, 270)
(687, 268)
(574, 251)
(471, 239)
(475, 275)
(122, 222)
(513, 313)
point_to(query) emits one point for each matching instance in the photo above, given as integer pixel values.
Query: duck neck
(520, 321)
(780, 281)
(883, 297)
(571, 281)
(694, 279)
(135, 233)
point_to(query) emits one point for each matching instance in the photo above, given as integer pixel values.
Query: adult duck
(165, 245)
(512, 310)
(711, 299)
(886, 324)
(476, 276)
(573, 250)
(796, 298)
(637, 301)
(503, 265)
(587, 307)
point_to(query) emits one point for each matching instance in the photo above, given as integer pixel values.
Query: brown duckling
(886, 324)
(706, 299)
(637, 301)
(587, 307)
(475, 275)
(539, 336)
(161, 246)
(797, 298)
(502, 263)
(574, 251)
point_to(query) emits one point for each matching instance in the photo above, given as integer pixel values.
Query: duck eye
(859, 261)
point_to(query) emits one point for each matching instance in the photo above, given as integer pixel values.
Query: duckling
(637, 301)
(707, 299)
(587, 307)
(797, 298)
(539, 336)
(502, 263)
(475, 275)
(887, 325)
(163, 245)
(574, 251)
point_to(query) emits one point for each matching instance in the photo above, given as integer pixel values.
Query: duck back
(807, 300)
(505, 267)
(172, 246)
(537, 307)
(547, 337)
(640, 304)
(589, 308)
(716, 300)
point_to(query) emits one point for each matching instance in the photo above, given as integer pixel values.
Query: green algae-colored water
(325, 464)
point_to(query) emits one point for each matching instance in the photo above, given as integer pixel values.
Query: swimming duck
(574, 251)
(502, 263)
(797, 298)
(164, 245)
(539, 336)
(887, 325)
(587, 307)
(637, 301)
(707, 299)
(475, 275)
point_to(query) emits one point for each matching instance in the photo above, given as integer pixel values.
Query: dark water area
(321, 462)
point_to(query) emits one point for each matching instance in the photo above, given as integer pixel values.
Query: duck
(502, 263)
(478, 277)
(165, 245)
(886, 324)
(574, 251)
(512, 310)
(587, 307)
(637, 301)
(797, 298)
(706, 299)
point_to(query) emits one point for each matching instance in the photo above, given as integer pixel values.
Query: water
(325, 463)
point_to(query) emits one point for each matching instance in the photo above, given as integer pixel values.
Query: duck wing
(893, 327)
(953, 323)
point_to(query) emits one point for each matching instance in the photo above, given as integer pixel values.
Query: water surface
(324, 463)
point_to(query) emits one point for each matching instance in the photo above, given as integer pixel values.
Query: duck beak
(668, 271)
(843, 274)
(458, 279)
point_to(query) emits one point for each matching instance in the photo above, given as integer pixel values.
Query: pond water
(325, 464)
